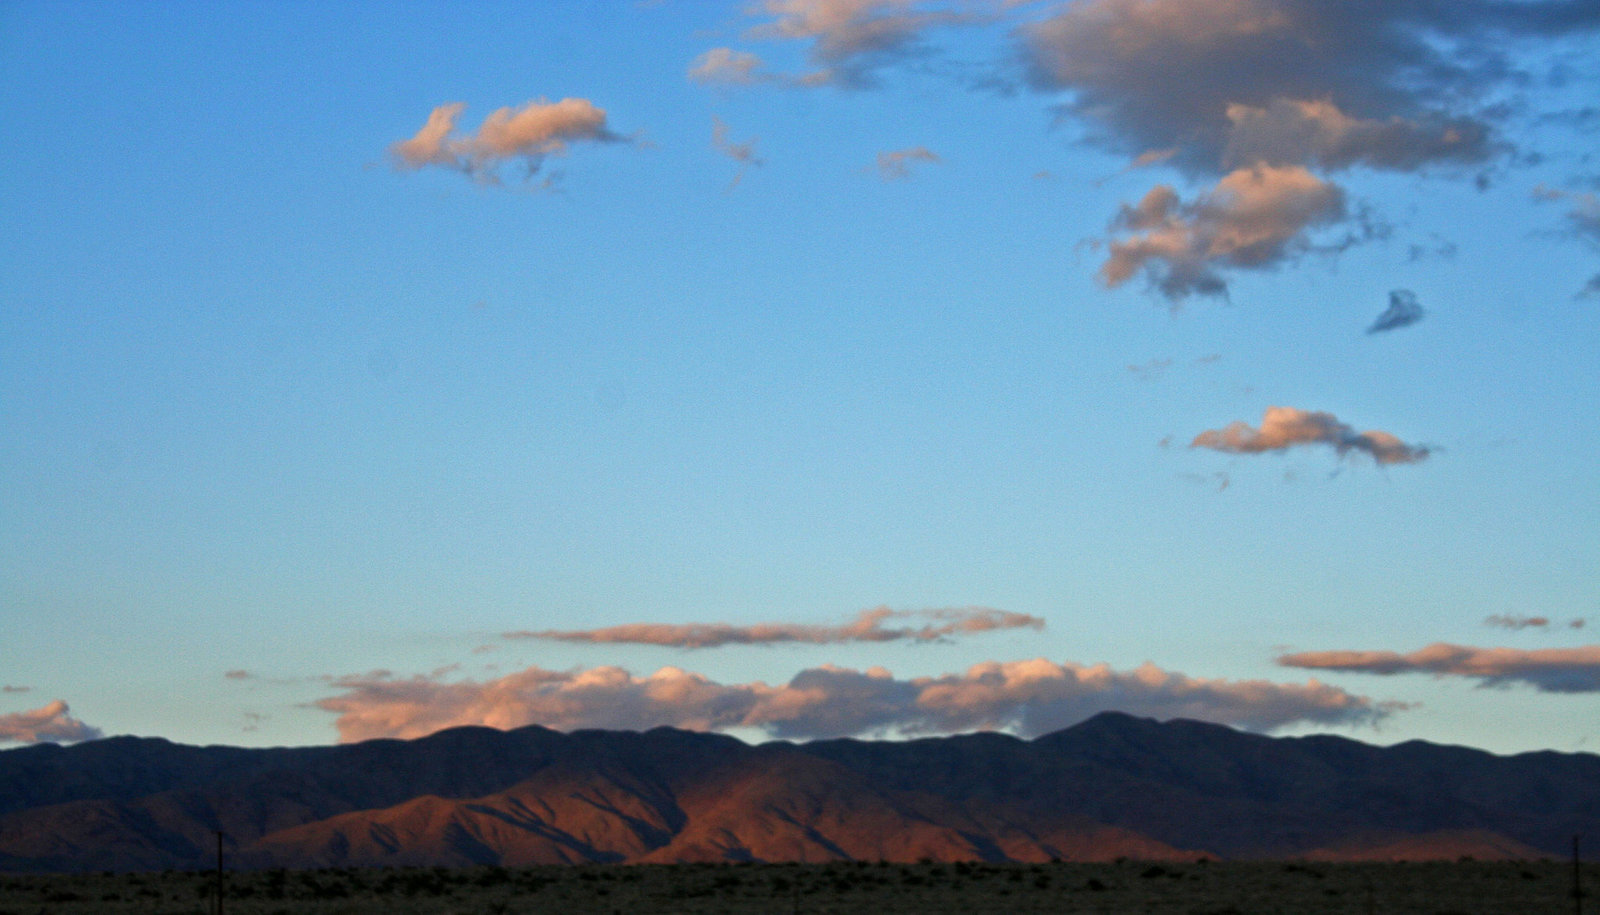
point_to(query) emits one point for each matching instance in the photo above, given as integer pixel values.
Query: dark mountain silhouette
(1113, 786)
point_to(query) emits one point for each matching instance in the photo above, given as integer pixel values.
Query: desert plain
(849, 888)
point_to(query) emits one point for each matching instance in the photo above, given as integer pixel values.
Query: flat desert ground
(1208, 888)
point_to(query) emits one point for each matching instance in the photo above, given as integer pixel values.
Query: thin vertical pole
(1577, 873)
(219, 872)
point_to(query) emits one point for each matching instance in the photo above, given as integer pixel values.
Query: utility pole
(219, 872)
(1577, 882)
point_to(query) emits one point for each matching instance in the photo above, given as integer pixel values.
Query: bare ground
(1289, 888)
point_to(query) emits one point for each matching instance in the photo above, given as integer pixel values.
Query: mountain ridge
(1112, 786)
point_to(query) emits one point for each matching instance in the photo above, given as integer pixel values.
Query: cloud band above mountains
(866, 627)
(1027, 697)
(1287, 427)
(1550, 670)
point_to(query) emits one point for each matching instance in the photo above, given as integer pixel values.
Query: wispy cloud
(1151, 370)
(849, 41)
(1404, 310)
(727, 67)
(866, 627)
(530, 133)
(1026, 697)
(1583, 223)
(1287, 427)
(51, 724)
(1254, 217)
(1518, 623)
(1551, 670)
(895, 164)
(742, 153)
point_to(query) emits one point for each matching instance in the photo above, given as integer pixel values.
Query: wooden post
(219, 872)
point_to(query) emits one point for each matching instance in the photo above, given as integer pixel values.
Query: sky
(800, 368)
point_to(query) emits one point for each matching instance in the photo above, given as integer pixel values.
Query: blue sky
(279, 401)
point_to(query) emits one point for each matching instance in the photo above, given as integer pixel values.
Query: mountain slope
(1110, 787)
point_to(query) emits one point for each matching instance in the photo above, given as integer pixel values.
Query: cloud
(742, 153)
(1550, 670)
(50, 724)
(530, 133)
(1027, 697)
(8, 688)
(866, 627)
(1393, 85)
(1297, 132)
(1404, 310)
(1583, 223)
(1285, 427)
(727, 67)
(850, 40)
(1518, 623)
(1253, 218)
(894, 165)
(1151, 370)
(1221, 86)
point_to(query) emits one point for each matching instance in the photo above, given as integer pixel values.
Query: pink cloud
(727, 67)
(1552, 670)
(742, 153)
(1287, 427)
(50, 724)
(1253, 218)
(895, 164)
(851, 39)
(866, 627)
(1027, 697)
(532, 132)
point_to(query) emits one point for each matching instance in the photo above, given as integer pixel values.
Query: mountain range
(1113, 786)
